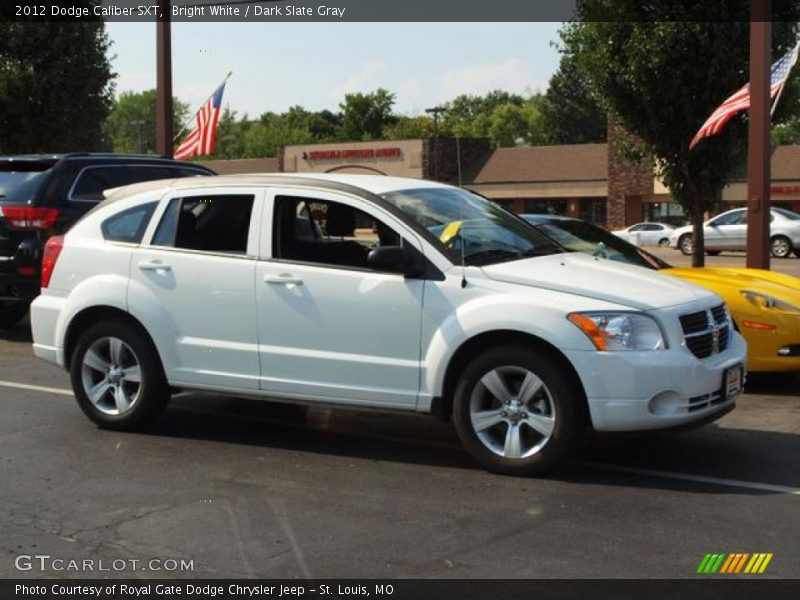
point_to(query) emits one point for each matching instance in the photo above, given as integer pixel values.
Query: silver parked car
(728, 231)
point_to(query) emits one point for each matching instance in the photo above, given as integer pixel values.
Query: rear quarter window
(128, 225)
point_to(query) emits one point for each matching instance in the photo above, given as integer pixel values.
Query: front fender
(545, 319)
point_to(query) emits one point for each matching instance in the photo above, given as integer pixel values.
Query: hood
(608, 280)
(778, 285)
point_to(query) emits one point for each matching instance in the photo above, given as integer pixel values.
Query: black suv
(43, 195)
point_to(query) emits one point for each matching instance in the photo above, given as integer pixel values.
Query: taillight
(30, 217)
(51, 251)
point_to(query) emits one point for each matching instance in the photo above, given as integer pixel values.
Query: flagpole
(783, 87)
(189, 122)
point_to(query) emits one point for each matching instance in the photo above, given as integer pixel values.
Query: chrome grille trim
(706, 332)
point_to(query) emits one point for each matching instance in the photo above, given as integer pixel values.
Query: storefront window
(664, 212)
(545, 207)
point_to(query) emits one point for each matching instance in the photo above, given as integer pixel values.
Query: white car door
(329, 328)
(193, 286)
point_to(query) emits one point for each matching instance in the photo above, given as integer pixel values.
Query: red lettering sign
(785, 189)
(354, 154)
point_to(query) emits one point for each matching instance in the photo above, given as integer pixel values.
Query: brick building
(590, 181)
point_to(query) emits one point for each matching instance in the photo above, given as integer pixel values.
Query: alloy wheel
(111, 376)
(512, 412)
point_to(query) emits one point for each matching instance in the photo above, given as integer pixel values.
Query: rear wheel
(117, 377)
(685, 244)
(12, 313)
(516, 411)
(713, 252)
(663, 242)
(780, 246)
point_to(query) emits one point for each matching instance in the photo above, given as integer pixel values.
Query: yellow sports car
(765, 306)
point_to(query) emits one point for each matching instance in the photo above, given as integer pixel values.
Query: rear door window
(209, 223)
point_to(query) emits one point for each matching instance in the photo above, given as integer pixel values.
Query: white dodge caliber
(376, 292)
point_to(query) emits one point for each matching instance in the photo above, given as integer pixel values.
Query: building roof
(573, 162)
(786, 162)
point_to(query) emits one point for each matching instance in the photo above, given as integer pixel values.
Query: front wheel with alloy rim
(780, 246)
(117, 377)
(685, 244)
(516, 411)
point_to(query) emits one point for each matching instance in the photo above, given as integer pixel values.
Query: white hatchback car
(728, 231)
(335, 289)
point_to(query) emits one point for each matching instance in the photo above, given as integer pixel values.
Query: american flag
(741, 99)
(200, 142)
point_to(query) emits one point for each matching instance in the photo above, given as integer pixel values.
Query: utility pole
(164, 80)
(758, 145)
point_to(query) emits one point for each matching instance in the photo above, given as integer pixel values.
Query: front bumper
(624, 389)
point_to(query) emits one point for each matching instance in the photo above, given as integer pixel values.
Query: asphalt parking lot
(246, 488)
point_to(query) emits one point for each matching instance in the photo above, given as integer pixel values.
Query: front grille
(707, 332)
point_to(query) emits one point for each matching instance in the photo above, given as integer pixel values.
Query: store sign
(352, 154)
(784, 189)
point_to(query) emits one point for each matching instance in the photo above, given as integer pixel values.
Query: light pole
(164, 81)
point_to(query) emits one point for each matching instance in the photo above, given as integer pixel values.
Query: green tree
(364, 116)
(55, 85)
(571, 114)
(470, 116)
(662, 79)
(131, 124)
(512, 124)
(409, 128)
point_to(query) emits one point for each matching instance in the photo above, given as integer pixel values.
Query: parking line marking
(36, 388)
(750, 485)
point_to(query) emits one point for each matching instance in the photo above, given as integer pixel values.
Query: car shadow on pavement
(773, 384)
(21, 332)
(761, 457)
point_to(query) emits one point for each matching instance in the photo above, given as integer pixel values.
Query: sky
(278, 65)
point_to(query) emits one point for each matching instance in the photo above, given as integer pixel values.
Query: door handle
(154, 266)
(283, 279)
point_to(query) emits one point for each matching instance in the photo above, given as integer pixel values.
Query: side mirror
(394, 259)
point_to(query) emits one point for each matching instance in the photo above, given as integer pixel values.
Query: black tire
(685, 244)
(557, 402)
(780, 246)
(147, 399)
(12, 313)
(713, 252)
(663, 242)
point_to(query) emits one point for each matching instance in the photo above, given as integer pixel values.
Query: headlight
(619, 331)
(768, 302)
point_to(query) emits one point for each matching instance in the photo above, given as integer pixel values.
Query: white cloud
(511, 74)
(367, 78)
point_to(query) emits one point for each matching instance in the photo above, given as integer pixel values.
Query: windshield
(591, 239)
(19, 180)
(464, 222)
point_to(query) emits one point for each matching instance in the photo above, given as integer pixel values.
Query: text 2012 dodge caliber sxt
(357, 290)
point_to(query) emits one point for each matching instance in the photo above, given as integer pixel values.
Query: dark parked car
(43, 195)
